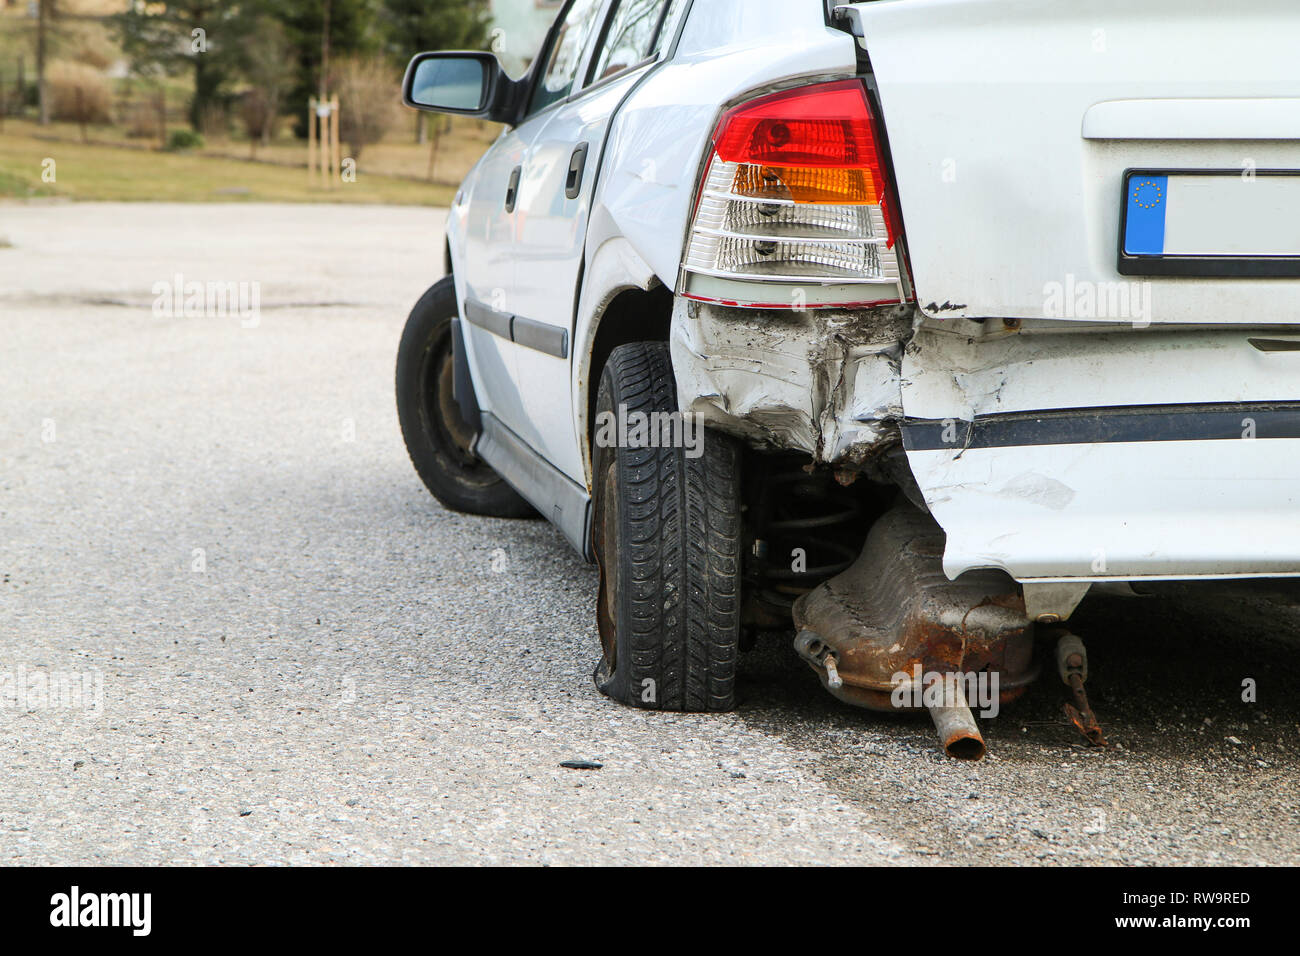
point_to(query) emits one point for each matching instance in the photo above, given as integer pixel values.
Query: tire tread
(678, 607)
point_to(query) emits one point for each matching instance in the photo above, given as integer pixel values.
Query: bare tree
(366, 88)
(323, 93)
(267, 64)
(45, 14)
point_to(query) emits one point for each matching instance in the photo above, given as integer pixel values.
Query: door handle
(577, 164)
(512, 190)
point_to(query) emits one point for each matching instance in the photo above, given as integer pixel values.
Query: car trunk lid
(1108, 162)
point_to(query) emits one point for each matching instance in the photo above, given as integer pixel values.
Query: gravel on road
(290, 653)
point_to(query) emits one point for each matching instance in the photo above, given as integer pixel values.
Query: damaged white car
(898, 326)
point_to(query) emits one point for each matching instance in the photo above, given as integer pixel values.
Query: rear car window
(565, 55)
(632, 36)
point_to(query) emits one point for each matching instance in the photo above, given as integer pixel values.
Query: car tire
(437, 438)
(666, 533)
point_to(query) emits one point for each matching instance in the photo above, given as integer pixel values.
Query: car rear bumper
(1117, 493)
(1090, 457)
(1053, 451)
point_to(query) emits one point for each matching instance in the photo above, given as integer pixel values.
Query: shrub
(142, 120)
(184, 139)
(368, 99)
(268, 66)
(258, 115)
(78, 93)
(214, 122)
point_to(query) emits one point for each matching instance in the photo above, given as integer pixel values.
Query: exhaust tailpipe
(958, 732)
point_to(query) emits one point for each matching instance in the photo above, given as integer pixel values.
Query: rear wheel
(667, 539)
(437, 438)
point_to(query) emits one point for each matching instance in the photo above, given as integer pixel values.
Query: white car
(901, 324)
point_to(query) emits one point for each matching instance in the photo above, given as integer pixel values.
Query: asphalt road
(292, 654)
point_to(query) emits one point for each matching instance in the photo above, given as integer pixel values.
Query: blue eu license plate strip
(1144, 226)
(1210, 223)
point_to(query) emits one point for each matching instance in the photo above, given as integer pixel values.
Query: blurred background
(209, 100)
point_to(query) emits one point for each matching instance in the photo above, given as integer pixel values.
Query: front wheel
(667, 539)
(437, 438)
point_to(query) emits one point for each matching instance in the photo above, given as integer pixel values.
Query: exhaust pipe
(958, 732)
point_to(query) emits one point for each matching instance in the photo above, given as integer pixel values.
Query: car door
(486, 273)
(492, 247)
(560, 166)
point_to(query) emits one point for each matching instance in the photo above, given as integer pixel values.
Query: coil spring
(811, 512)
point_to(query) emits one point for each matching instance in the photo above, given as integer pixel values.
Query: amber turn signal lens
(844, 187)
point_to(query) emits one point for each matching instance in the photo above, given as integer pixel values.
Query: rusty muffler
(893, 633)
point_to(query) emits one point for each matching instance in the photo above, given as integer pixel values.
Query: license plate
(1229, 223)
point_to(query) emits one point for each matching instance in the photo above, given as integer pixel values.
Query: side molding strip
(531, 334)
(476, 313)
(1078, 426)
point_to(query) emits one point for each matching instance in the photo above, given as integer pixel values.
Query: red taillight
(828, 125)
(796, 194)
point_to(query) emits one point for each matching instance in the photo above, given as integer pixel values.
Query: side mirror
(468, 84)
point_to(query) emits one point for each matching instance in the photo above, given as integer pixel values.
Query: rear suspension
(801, 528)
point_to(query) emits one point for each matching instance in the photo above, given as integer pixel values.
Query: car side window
(666, 31)
(631, 36)
(560, 70)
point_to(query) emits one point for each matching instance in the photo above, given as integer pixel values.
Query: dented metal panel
(646, 178)
(824, 382)
(1088, 457)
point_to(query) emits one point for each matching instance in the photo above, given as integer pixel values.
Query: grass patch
(104, 172)
(15, 186)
